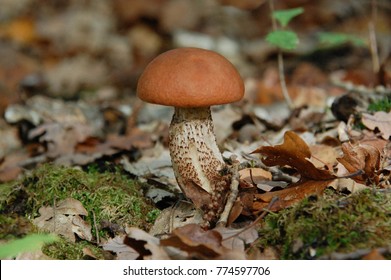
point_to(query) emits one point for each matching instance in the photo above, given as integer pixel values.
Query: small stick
(234, 190)
(96, 228)
(260, 217)
(372, 38)
(281, 63)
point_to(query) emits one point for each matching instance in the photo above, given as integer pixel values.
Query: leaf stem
(281, 74)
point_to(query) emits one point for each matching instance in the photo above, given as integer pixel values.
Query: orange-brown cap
(190, 77)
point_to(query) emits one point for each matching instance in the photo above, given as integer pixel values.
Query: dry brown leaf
(236, 239)
(61, 138)
(361, 158)
(374, 255)
(196, 241)
(146, 245)
(288, 196)
(179, 215)
(380, 120)
(71, 206)
(65, 220)
(254, 175)
(343, 184)
(123, 251)
(293, 152)
(323, 155)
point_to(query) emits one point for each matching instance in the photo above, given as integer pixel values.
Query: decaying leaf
(294, 152)
(348, 184)
(65, 219)
(202, 244)
(196, 241)
(236, 239)
(146, 245)
(179, 215)
(361, 158)
(123, 251)
(254, 175)
(189, 241)
(380, 120)
(281, 199)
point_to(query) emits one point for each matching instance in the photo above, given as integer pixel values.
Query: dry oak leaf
(65, 219)
(361, 158)
(381, 120)
(200, 243)
(295, 153)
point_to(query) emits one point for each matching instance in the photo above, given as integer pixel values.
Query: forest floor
(81, 157)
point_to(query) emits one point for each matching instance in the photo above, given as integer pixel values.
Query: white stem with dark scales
(196, 158)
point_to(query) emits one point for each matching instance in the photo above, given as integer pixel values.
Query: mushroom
(192, 80)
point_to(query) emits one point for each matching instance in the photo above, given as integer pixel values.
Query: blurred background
(98, 48)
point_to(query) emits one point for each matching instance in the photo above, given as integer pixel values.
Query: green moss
(65, 250)
(110, 196)
(380, 105)
(320, 226)
(14, 226)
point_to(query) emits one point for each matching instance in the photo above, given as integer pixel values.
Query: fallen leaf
(123, 251)
(293, 152)
(380, 120)
(287, 197)
(71, 206)
(146, 245)
(343, 184)
(179, 215)
(323, 156)
(254, 176)
(65, 220)
(374, 255)
(237, 239)
(361, 158)
(61, 138)
(196, 242)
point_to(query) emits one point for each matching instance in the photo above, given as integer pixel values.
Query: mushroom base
(197, 161)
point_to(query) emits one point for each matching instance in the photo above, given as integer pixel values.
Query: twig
(96, 228)
(355, 255)
(132, 119)
(281, 74)
(260, 217)
(234, 190)
(349, 86)
(372, 38)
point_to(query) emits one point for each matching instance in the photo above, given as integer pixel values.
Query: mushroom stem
(196, 159)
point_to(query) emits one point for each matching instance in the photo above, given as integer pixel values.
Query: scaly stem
(197, 161)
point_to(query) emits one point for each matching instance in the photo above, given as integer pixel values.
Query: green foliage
(329, 224)
(29, 243)
(380, 105)
(283, 39)
(332, 39)
(285, 16)
(152, 215)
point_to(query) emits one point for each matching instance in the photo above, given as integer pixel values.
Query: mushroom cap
(190, 77)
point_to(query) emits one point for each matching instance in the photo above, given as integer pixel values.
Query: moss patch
(112, 197)
(65, 250)
(319, 226)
